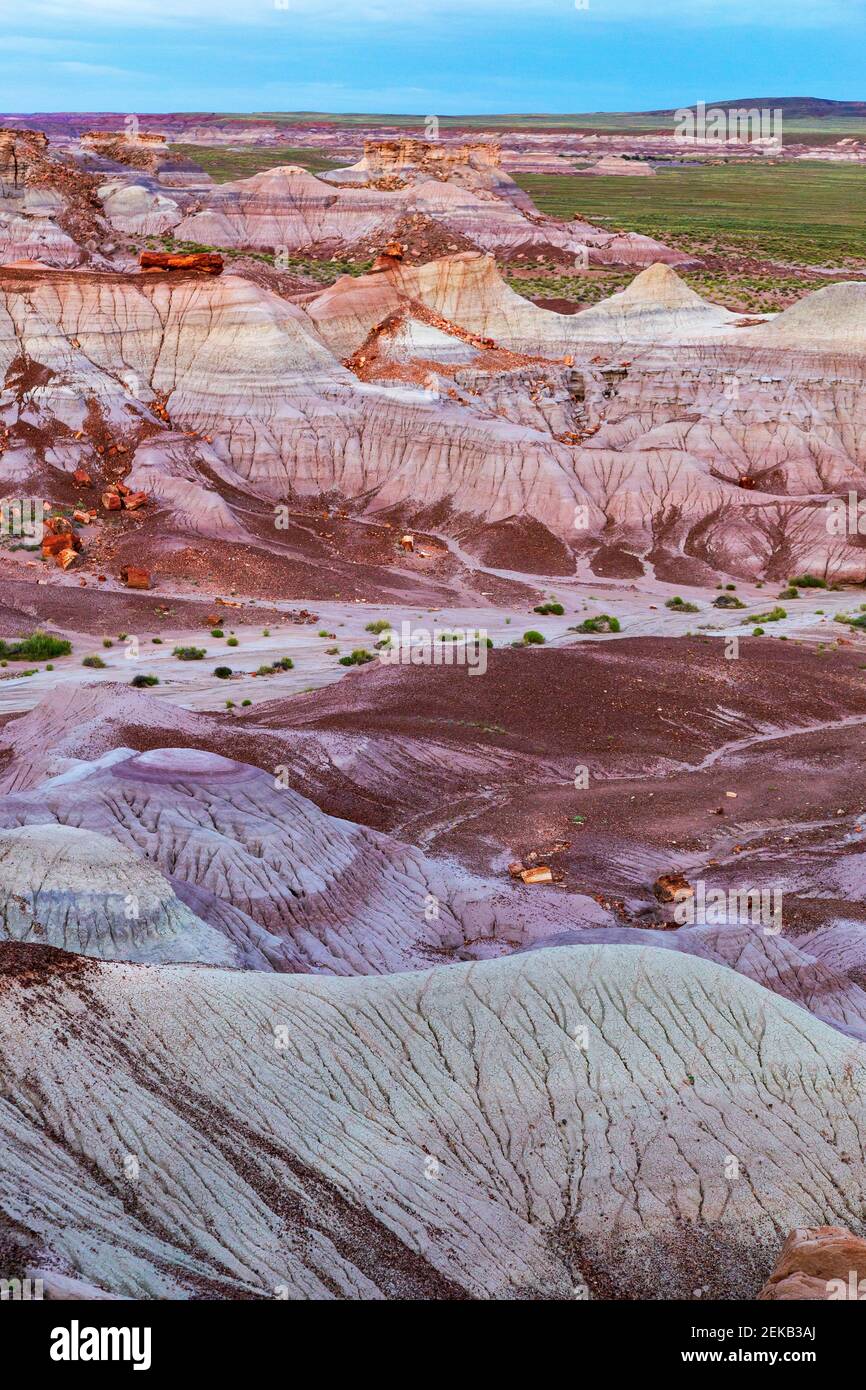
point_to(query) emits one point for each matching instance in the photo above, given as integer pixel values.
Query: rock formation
(825, 1262)
(290, 209)
(20, 150)
(140, 149)
(432, 1135)
(729, 455)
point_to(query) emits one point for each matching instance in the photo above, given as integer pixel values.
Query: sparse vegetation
(808, 581)
(548, 608)
(359, 657)
(679, 605)
(94, 661)
(189, 653)
(603, 623)
(773, 616)
(36, 647)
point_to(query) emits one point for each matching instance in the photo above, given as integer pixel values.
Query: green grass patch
(226, 165)
(359, 657)
(807, 213)
(39, 646)
(603, 623)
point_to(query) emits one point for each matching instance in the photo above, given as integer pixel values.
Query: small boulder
(818, 1262)
(540, 874)
(673, 888)
(135, 578)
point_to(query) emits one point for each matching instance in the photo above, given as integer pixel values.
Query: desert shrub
(232, 642)
(380, 625)
(533, 638)
(94, 661)
(553, 607)
(217, 632)
(359, 657)
(189, 653)
(773, 616)
(679, 605)
(141, 681)
(37, 647)
(603, 623)
(808, 581)
(222, 672)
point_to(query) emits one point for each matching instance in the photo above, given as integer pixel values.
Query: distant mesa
(384, 156)
(140, 150)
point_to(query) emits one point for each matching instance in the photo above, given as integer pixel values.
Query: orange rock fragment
(54, 545)
(135, 578)
(208, 261)
(541, 874)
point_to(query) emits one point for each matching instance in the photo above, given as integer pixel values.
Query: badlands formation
(329, 977)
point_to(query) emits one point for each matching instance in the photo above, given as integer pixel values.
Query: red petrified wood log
(208, 261)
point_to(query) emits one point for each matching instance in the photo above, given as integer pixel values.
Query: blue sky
(439, 57)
